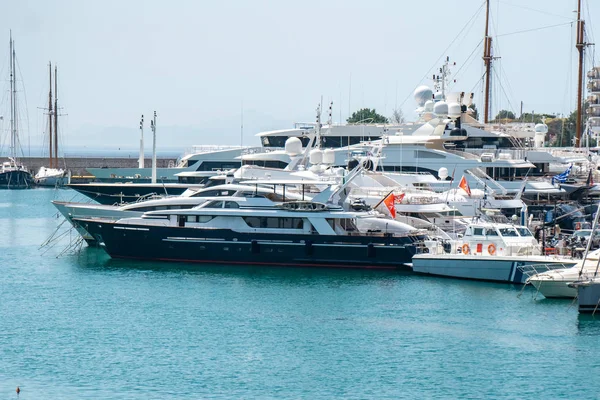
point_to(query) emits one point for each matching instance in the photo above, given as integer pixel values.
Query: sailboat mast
(12, 105)
(55, 116)
(50, 163)
(580, 45)
(487, 59)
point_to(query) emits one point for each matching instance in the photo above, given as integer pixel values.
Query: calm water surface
(84, 326)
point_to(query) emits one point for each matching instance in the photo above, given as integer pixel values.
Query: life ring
(577, 226)
(465, 249)
(492, 249)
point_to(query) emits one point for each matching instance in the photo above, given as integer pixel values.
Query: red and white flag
(399, 197)
(389, 204)
(464, 185)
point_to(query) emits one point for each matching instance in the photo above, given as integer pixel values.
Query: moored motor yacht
(257, 231)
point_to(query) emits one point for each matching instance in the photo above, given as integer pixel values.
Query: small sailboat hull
(15, 179)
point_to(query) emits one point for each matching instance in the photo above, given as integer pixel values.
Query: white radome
(453, 110)
(541, 128)
(428, 106)
(293, 146)
(441, 108)
(316, 156)
(443, 173)
(329, 157)
(422, 94)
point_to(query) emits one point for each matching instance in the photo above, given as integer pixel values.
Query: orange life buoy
(577, 226)
(492, 249)
(465, 249)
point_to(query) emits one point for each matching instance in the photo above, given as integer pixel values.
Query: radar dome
(441, 108)
(541, 128)
(316, 156)
(454, 110)
(293, 146)
(329, 157)
(428, 106)
(443, 173)
(422, 94)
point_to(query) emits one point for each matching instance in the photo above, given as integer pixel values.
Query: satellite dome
(316, 156)
(454, 110)
(441, 108)
(438, 96)
(541, 128)
(422, 94)
(428, 106)
(293, 146)
(443, 173)
(329, 157)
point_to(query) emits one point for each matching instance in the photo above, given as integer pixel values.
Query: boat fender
(465, 249)
(308, 246)
(370, 250)
(492, 249)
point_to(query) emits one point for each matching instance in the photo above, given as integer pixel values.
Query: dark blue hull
(225, 246)
(17, 179)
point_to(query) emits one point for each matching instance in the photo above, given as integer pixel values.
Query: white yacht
(257, 231)
(488, 251)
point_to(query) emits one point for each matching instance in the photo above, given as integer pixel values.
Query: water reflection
(588, 325)
(95, 260)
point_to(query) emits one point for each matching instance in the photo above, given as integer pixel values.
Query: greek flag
(562, 177)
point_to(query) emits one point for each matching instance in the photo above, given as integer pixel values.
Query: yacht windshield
(524, 231)
(508, 232)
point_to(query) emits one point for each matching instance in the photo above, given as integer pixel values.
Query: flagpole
(382, 200)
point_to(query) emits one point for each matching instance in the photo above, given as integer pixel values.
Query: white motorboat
(488, 251)
(51, 177)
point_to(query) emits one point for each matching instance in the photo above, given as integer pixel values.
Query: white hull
(486, 268)
(555, 289)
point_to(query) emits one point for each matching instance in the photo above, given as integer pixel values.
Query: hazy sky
(197, 62)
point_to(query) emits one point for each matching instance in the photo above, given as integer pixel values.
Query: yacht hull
(494, 269)
(15, 179)
(167, 243)
(555, 289)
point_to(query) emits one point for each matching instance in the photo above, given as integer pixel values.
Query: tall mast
(153, 126)
(580, 45)
(487, 60)
(50, 117)
(12, 105)
(55, 117)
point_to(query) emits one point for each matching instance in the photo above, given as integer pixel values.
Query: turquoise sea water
(85, 326)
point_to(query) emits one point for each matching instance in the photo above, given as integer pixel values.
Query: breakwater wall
(79, 165)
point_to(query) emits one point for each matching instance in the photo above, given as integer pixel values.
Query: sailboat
(52, 175)
(14, 175)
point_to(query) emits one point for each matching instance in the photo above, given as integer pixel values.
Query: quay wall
(78, 165)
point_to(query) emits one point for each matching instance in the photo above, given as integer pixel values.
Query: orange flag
(464, 185)
(389, 203)
(398, 198)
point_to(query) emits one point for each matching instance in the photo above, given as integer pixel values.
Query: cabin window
(231, 204)
(214, 204)
(191, 218)
(477, 231)
(204, 218)
(491, 232)
(508, 232)
(274, 222)
(524, 232)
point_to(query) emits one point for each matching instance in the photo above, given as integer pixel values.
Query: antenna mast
(487, 60)
(580, 45)
(141, 159)
(153, 126)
